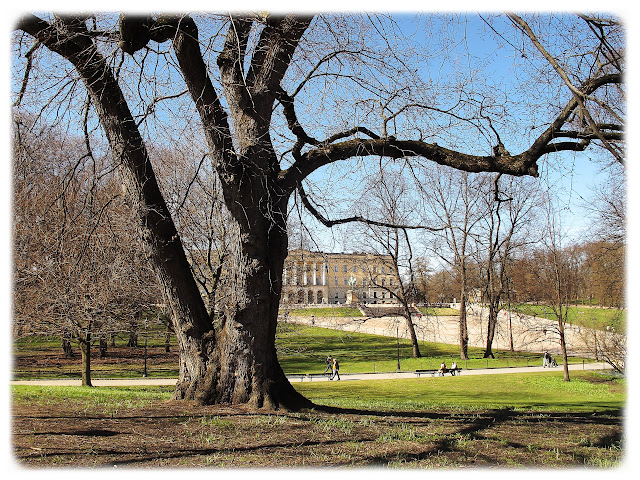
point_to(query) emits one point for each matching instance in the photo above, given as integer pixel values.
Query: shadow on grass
(477, 425)
(473, 424)
(604, 417)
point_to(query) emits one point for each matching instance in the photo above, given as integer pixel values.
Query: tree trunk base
(278, 396)
(217, 388)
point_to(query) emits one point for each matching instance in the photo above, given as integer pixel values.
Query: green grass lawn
(507, 421)
(303, 349)
(587, 391)
(108, 399)
(591, 317)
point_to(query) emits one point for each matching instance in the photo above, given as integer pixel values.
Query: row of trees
(491, 239)
(598, 276)
(276, 105)
(80, 271)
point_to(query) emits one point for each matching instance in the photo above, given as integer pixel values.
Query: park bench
(433, 372)
(308, 377)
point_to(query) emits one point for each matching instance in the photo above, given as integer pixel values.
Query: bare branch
(578, 93)
(356, 218)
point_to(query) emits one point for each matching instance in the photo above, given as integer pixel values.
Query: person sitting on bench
(443, 369)
(454, 368)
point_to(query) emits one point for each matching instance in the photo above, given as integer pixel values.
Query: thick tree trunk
(84, 342)
(243, 367)
(491, 330)
(412, 332)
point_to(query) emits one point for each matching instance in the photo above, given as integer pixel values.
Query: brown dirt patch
(180, 434)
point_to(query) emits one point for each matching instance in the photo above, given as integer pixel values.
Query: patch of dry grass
(179, 434)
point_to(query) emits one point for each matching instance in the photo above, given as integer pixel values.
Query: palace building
(329, 278)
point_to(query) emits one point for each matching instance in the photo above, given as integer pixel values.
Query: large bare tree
(454, 198)
(507, 225)
(389, 201)
(254, 80)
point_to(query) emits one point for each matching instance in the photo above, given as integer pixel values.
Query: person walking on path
(329, 363)
(545, 360)
(336, 368)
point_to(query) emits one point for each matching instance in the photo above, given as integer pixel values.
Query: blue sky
(577, 175)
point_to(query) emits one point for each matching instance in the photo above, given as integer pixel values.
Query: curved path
(126, 382)
(529, 334)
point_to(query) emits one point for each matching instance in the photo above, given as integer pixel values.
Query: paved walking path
(528, 333)
(126, 382)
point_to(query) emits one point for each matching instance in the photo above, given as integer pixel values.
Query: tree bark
(491, 330)
(565, 359)
(84, 341)
(412, 332)
(103, 346)
(244, 366)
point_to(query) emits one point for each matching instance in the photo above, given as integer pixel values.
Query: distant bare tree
(388, 200)
(608, 344)
(556, 274)
(506, 226)
(455, 200)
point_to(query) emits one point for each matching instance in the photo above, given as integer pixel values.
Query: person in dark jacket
(329, 364)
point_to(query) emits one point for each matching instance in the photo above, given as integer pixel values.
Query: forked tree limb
(355, 218)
